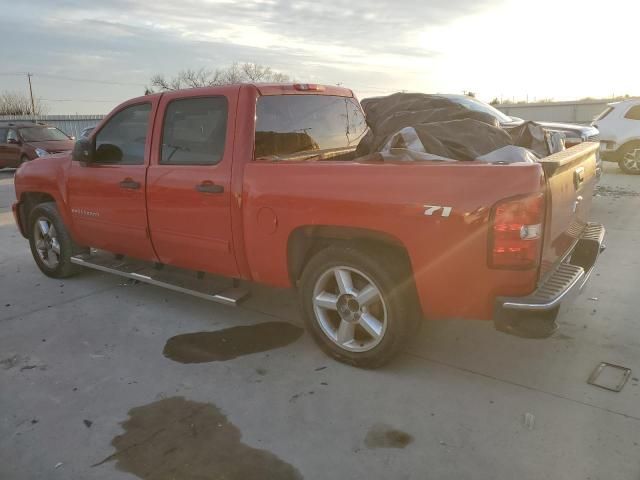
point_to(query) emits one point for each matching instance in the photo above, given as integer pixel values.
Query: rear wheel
(630, 159)
(357, 310)
(51, 243)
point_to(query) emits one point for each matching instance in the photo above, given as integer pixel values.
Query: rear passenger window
(122, 140)
(3, 135)
(294, 125)
(194, 131)
(633, 113)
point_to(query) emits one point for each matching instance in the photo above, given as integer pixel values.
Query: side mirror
(83, 151)
(72, 137)
(13, 141)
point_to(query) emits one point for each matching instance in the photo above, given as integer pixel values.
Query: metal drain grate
(609, 376)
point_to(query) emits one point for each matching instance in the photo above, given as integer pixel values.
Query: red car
(260, 183)
(24, 141)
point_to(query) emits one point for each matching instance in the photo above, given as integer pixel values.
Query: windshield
(478, 106)
(42, 134)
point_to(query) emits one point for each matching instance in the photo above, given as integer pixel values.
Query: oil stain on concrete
(175, 438)
(383, 436)
(230, 343)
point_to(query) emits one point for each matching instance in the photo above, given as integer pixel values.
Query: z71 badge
(84, 213)
(437, 210)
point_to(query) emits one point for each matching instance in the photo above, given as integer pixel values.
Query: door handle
(130, 184)
(209, 187)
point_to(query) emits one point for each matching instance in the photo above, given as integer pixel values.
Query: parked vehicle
(260, 183)
(87, 131)
(619, 126)
(574, 134)
(24, 141)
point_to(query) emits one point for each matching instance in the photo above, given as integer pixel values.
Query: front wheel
(630, 160)
(51, 243)
(357, 310)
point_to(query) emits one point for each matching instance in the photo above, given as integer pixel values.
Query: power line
(112, 82)
(87, 80)
(74, 79)
(78, 100)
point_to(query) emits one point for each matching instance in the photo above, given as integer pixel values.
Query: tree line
(12, 103)
(236, 73)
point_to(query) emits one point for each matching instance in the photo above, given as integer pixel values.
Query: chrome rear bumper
(534, 316)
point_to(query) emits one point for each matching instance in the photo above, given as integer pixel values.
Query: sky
(88, 57)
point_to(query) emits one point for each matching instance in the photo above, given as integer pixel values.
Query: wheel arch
(28, 201)
(306, 241)
(628, 143)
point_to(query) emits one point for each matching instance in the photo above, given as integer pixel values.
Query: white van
(619, 126)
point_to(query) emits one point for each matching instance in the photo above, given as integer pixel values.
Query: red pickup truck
(261, 183)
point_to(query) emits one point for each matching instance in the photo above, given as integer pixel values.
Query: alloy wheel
(350, 309)
(46, 242)
(631, 160)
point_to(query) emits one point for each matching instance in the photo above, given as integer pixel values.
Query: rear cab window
(298, 127)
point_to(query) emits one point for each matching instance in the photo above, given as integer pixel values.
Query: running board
(209, 287)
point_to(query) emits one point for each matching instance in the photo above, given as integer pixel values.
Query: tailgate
(570, 181)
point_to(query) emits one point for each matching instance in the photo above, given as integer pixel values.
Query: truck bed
(448, 252)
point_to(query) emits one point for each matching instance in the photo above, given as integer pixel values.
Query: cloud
(326, 29)
(330, 41)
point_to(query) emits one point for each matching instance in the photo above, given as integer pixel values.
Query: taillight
(308, 87)
(515, 239)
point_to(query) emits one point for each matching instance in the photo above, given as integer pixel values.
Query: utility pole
(33, 107)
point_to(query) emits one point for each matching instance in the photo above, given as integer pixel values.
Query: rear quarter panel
(448, 254)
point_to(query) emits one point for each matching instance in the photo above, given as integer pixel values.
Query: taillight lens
(515, 239)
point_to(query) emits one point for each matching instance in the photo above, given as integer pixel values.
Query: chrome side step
(209, 287)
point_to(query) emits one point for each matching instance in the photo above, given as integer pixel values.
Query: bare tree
(259, 73)
(12, 103)
(235, 73)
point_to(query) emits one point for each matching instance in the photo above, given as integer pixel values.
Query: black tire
(630, 167)
(67, 246)
(390, 274)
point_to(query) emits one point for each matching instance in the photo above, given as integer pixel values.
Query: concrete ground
(83, 380)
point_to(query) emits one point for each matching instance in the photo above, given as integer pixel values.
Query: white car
(619, 127)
